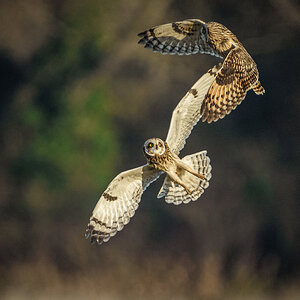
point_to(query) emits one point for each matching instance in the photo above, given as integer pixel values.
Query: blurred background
(78, 99)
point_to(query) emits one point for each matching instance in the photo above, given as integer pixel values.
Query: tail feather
(258, 88)
(175, 193)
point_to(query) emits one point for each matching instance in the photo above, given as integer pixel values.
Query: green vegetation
(78, 99)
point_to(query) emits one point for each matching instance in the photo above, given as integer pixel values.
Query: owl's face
(154, 146)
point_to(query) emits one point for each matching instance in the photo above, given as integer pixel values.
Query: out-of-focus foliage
(78, 99)
(58, 133)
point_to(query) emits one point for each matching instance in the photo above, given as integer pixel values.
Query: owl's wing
(187, 112)
(119, 202)
(237, 75)
(182, 38)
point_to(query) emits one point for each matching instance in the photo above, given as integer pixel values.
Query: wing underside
(119, 202)
(188, 111)
(181, 38)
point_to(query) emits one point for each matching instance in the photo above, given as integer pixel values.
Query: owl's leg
(182, 165)
(176, 179)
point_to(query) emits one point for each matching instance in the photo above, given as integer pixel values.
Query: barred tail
(175, 193)
(258, 89)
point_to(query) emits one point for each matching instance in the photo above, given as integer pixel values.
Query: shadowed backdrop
(79, 97)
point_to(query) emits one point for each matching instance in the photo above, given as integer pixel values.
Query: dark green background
(78, 99)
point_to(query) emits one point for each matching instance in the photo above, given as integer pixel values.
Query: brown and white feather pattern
(239, 71)
(182, 38)
(237, 75)
(188, 111)
(119, 202)
(175, 193)
(161, 162)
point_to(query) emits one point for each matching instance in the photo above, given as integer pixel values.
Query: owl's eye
(160, 144)
(150, 145)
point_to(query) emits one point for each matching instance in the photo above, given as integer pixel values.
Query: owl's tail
(258, 88)
(175, 193)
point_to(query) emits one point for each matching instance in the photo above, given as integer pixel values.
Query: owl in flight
(185, 179)
(237, 74)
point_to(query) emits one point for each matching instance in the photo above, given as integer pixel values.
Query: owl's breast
(160, 162)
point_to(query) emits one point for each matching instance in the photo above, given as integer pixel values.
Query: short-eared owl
(236, 76)
(185, 180)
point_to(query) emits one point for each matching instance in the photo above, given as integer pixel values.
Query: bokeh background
(78, 99)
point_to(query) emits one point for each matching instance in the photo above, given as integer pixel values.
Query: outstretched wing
(187, 112)
(119, 202)
(182, 38)
(237, 75)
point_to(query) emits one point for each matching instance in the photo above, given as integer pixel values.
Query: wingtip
(141, 34)
(96, 239)
(87, 234)
(143, 41)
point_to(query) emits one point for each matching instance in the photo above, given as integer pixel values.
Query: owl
(236, 75)
(186, 178)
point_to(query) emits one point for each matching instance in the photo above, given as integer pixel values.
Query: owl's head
(221, 37)
(154, 146)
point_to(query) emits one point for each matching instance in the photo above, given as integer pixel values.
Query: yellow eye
(160, 144)
(150, 145)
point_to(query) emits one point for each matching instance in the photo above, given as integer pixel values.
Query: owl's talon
(201, 176)
(188, 191)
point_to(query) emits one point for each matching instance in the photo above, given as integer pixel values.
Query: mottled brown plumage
(237, 75)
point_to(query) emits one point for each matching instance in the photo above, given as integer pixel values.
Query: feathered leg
(185, 167)
(176, 179)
